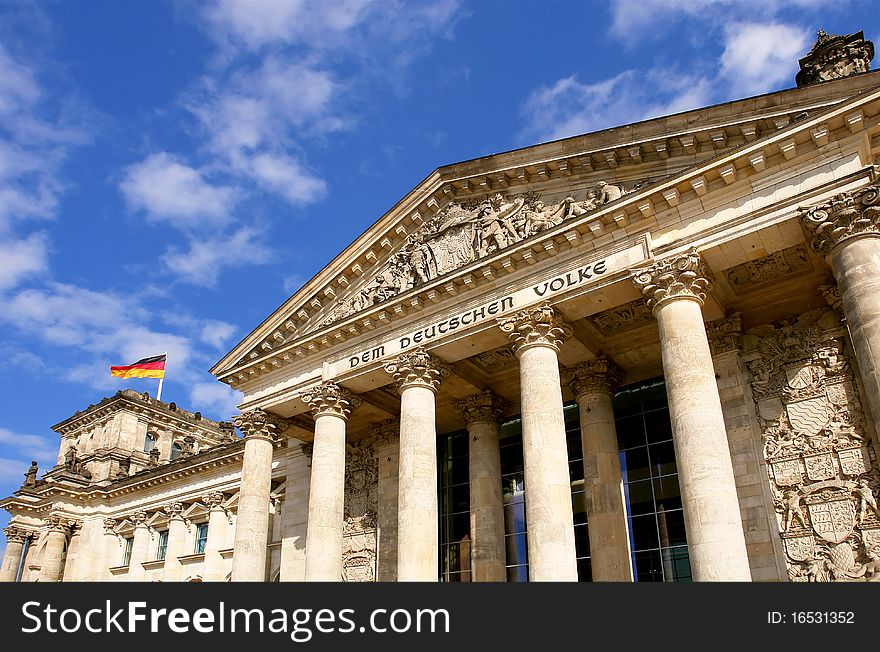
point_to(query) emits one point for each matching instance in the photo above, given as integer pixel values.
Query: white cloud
(23, 258)
(758, 57)
(202, 262)
(287, 177)
(216, 333)
(216, 398)
(43, 449)
(169, 190)
(18, 86)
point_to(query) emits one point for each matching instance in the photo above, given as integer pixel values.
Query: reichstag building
(650, 353)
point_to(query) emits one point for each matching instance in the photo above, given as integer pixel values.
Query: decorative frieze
(483, 407)
(725, 335)
(417, 367)
(361, 508)
(385, 432)
(630, 315)
(831, 294)
(597, 376)
(683, 276)
(259, 423)
(495, 360)
(537, 326)
(330, 398)
(769, 269)
(847, 215)
(820, 463)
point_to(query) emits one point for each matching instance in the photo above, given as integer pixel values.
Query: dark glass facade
(647, 458)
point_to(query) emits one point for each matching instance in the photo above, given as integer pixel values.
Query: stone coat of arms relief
(361, 511)
(822, 470)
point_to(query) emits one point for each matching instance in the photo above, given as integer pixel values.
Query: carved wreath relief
(466, 231)
(361, 511)
(821, 468)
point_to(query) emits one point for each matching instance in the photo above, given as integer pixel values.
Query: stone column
(73, 560)
(110, 549)
(15, 540)
(482, 415)
(261, 430)
(177, 531)
(52, 564)
(536, 334)
(418, 375)
(386, 443)
(675, 290)
(846, 231)
(592, 384)
(140, 547)
(331, 405)
(212, 570)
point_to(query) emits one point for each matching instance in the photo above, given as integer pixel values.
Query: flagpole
(162, 379)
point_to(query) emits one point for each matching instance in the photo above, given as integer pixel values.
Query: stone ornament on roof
(466, 231)
(835, 56)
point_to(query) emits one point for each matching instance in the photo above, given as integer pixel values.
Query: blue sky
(171, 172)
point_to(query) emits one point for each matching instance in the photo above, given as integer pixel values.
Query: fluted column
(592, 384)
(52, 563)
(418, 375)
(15, 540)
(213, 570)
(176, 546)
(482, 415)
(331, 406)
(140, 547)
(261, 430)
(675, 290)
(536, 335)
(846, 231)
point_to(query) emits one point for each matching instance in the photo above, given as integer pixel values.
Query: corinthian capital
(174, 510)
(330, 398)
(538, 326)
(677, 277)
(59, 523)
(138, 518)
(213, 500)
(486, 407)
(847, 215)
(417, 368)
(16, 534)
(260, 424)
(601, 375)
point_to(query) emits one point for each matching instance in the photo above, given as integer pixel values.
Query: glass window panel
(667, 492)
(514, 515)
(517, 574)
(630, 431)
(458, 473)
(627, 403)
(585, 570)
(459, 498)
(671, 528)
(163, 544)
(676, 564)
(662, 459)
(579, 507)
(515, 546)
(634, 464)
(643, 532)
(648, 566)
(575, 449)
(460, 577)
(639, 497)
(653, 396)
(459, 444)
(576, 470)
(461, 527)
(658, 426)
(512, 460)
(126, 553)
(582, 540)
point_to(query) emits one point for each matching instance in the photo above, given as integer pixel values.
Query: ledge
(153, 564)
(119, 570)
(191, 559)
(226, 554)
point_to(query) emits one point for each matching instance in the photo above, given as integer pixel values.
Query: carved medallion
(820, 466)
(787, 472)
(799, 547)
(854, 461)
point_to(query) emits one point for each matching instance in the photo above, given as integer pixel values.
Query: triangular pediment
(490, 214)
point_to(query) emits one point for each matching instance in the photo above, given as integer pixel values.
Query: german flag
(147, 368)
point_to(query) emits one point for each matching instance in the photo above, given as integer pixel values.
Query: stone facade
(730, 253)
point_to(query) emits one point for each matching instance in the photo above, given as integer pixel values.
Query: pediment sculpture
(466, 231)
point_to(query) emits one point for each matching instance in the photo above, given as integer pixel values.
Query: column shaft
(549, 519)
(252, 523)
(417, 518)
(326, 501)
(856, 266)
(610, 554)
(488, 559)
(213, 570)
(12, 556)
(716, 544)
(52, 564)
(140, 551)
(176, 547)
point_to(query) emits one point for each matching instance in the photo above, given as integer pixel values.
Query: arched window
(176, 450)
(150, 442)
